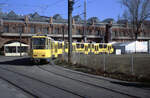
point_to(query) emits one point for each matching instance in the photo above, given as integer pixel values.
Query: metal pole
(63, 33)
(63, 39)
(70, 9)
(20, 44)
(132, 64)
(148, 46)
(85, 37)
(104, 62)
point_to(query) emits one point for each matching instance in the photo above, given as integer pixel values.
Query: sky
(95, 8)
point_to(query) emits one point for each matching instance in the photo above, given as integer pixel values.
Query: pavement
(9, 91)
(20, 79)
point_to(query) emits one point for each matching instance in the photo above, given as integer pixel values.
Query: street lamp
(20, 43)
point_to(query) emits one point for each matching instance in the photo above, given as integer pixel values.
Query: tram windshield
(38, 43)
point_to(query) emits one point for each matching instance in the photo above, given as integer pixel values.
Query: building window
(101, 33)
(13, 30)
(45, 30)
(87, 32)
(6, 29)
(78, 31)
(96, 32)
(126, 34)
(115, 33)
(144, 34)
(39, 30)
(56, 30)
(63, 30)
(90, 32)
(20, 29)
(32, 29)
(59, 31)
(122, 34)
(66, 31)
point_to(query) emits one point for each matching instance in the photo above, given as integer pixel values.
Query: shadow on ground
(18, 61)
(139, 85)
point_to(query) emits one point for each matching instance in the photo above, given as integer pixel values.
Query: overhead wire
(81, 13)
(78, 10)
(63, 4)
(79, 4)
(42, 8)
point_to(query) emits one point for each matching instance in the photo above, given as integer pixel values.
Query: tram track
(136, 84)
(94, 85)
(81, 73)
(38, 80)
(50, 73)
(20, 88)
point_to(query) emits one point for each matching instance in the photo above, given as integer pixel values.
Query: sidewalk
(9, 91)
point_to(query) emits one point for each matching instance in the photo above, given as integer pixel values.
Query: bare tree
(137, 12)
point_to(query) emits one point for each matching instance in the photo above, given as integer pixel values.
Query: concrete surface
(50, 81)
(9, 91)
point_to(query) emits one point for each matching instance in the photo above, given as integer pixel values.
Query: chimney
(26, 19)
(51, 20)
(73, 21)
(92, 21)
(108, 35)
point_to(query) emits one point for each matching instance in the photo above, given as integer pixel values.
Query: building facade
(12, 25)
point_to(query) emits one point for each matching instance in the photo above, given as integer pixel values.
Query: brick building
(11, 25)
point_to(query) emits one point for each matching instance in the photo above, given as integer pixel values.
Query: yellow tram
(43, 48)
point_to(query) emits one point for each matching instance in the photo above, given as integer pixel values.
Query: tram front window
(38, 43)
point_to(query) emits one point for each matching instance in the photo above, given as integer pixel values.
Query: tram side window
(100, 45)
(60, 45)
(92, 46)
(109, 47)
(105, 46)
(89, 46)
(82, 45)
(78, 45)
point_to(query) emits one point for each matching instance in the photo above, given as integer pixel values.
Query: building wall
(95, 31)
(9, 39)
